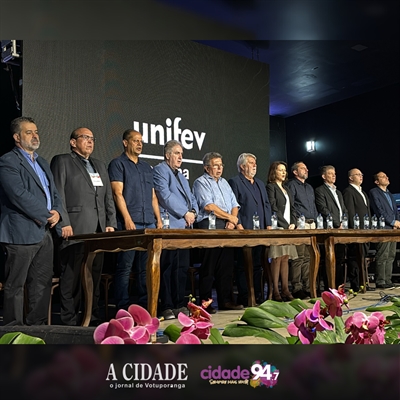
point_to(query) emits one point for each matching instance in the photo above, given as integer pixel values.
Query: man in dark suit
(356, 202)
(252, 197)
(30, 209)
(384, 204)
(174, 196)
(85, 189)
(329, 200)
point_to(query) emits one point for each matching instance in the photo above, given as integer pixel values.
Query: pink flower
(188, 338)
(334, 301)
(307, 323)
(365, 329)
(198, 324)
(122, 329)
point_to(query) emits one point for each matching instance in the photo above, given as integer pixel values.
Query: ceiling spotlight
(310, 146)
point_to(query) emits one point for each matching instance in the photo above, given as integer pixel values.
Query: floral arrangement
(305, 324)
(310, 325)
(136, 326)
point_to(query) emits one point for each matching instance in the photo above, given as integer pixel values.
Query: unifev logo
(260, 374)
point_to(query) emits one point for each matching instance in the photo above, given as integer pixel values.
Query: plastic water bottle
(274, 221)
(329, 222)
(211, 221)
(301, 222)
(345, 221)
(356, 221)
(374, 224)
(320, 222)
(366, 221)
(165, 220)
(256, 221)
(382, 222)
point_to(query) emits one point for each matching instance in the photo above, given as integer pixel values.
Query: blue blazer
(24, 213)
(380, 206)
(247, 201)
(171, 196)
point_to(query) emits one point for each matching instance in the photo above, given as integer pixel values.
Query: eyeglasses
(86, 138)
(217, 166)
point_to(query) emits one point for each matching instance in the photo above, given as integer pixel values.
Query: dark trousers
(352, 265)
(31, 265)
(217, 263)
(71, 258)
(174, 265)
(241, 282)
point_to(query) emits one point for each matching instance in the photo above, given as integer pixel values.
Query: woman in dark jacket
(281, 200)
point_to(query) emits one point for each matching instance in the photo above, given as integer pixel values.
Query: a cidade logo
(158, 134)
(146, 376)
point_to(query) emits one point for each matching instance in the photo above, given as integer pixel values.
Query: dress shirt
(359, 189)
(40, 173)
(333, 191)
(207, 190)
(137, 192)
(304, 199)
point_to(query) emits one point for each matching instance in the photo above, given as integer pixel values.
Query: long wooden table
(344, 236)
(155, 240)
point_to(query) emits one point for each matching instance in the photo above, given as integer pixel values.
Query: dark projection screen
(208, 99)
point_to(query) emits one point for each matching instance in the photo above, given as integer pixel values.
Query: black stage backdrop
(208, 99)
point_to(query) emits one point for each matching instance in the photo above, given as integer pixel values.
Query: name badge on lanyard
(96, 180)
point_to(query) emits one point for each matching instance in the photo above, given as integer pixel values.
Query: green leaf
(278, 309)
(237, 330)
(339, 330)
(20, 338)
(392, 307)
(216, 337)
(173, 332)
(256, 316)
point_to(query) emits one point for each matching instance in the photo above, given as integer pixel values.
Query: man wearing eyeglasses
(356, 202)
(214, 194)
(384, 204)
(85, 189)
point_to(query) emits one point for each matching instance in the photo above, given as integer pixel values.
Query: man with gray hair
(213, 194)
(252, 196)
(304, 204)
(174, 196)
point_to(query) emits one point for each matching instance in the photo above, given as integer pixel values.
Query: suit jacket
(177, 199)
(326, 204)
(354, 203)
(85, 207)
(247, 201)
(23, 202)
(380, 206)
(278, 203)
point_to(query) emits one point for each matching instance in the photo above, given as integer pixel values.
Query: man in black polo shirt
(304, 204)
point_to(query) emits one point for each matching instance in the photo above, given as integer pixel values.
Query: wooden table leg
(248, 269)
(362, 281)
(153, 275)
(330, 261)
(87, 283)
(314, 265)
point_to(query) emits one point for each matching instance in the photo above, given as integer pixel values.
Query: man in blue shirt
(137, 208)
(214, 194)
(30, 208)
(384, 204)
(304, 204)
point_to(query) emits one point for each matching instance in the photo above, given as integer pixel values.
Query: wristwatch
(194, 212)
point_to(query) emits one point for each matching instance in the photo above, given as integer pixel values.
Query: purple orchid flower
(122, 329)
(365, 329)
(188, 338)
(307, 323)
